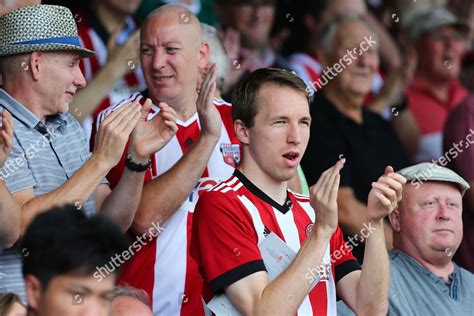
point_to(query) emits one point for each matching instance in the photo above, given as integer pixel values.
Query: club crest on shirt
(231, 154)
(309, 228)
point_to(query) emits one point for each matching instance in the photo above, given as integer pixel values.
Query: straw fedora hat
(39, 28)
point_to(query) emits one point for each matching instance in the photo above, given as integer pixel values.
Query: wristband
(136, 167)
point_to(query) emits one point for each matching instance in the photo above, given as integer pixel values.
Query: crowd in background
(390, 83)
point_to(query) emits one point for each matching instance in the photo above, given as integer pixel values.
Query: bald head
(177, 15)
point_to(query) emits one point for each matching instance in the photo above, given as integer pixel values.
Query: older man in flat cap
(427, 227)
(428, 230)
(50, 162)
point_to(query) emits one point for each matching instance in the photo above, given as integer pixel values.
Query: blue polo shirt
(415, 290)
(43, 157)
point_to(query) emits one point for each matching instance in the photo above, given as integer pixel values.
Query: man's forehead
(352, 31)
(431, 188)
(266, 98)
(168, 28)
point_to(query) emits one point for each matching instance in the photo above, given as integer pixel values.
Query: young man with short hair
(272, 121)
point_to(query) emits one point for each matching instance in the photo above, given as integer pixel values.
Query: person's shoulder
(135, 96)
(300, 198)
(398, 260)
(465, 108)
(466, 276)
(224, 190)
(221, 103)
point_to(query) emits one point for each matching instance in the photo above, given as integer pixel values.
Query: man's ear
(203, 55)
(241, 131)
(36, 65)
(33, 291)
(394, 218)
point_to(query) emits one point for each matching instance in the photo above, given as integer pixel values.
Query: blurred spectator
(113, 73)
(342, 126)
(129, 301)
(11, 305)
(50, 162)
(63, 248)
(464, 9)
(459, 148)
(427, 229)
(247, 29)
(204, 151)
(217, 56)
(9, 208)
(317, 15)
(439, 40)
(384, 93)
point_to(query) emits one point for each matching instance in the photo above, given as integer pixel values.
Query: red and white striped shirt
(163, 267)
(231, 220)
(93, 36)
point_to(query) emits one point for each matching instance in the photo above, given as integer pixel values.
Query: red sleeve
(224, 242)
(342, 260)
(459, 128)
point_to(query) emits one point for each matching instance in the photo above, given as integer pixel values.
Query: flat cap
(427, 171)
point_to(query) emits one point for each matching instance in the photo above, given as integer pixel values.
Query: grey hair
(217, 52)
(125, 290)
(326, 39)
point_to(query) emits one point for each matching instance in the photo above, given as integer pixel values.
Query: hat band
(71, 40)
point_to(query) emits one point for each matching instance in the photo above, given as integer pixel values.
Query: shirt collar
(453, 276)
(24, 115)
(456, 89)
(17, 110)
(262, 195)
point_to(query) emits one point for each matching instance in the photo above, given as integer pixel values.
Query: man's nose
(79, 79)
(294, 133)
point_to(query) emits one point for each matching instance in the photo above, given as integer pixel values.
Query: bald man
(204, 151)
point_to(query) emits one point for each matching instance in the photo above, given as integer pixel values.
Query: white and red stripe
(231, 220)
(128, 84)
(163, 267)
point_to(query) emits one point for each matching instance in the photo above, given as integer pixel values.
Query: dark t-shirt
(368, 149)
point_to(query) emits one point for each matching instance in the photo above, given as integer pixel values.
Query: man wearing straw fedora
(50, 163)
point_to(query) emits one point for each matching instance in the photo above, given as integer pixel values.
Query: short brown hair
(244, 96)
